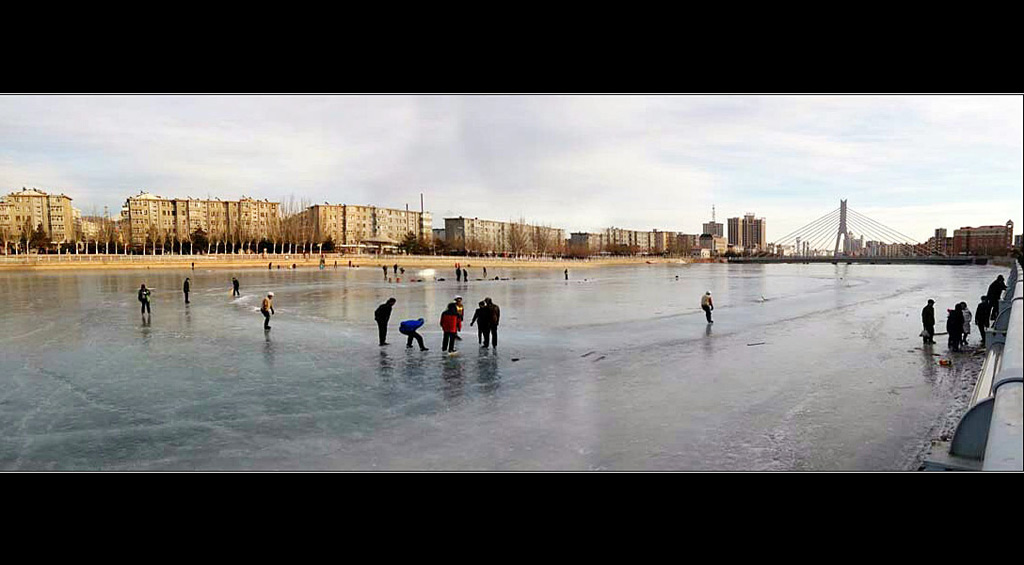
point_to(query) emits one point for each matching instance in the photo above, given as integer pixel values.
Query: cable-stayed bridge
(845, 235)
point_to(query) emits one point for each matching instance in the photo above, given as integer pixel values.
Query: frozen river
(616, 373)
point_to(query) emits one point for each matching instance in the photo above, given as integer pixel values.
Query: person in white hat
(707, 305)
(267, 309)
(462, 315)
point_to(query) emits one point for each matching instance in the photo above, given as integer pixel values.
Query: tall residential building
(715, 229)
(748, 233)
(686, 243)
(355, 226)
(247, 219)
(27, 209)
(663, 241)
(985, 240)
(940, 244)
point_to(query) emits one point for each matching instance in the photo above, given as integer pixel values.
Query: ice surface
(619, 372)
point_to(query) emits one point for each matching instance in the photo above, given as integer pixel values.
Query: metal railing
(989, 436)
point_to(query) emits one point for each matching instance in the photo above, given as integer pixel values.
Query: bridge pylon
(844, 231)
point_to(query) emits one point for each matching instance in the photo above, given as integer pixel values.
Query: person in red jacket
(450, 325)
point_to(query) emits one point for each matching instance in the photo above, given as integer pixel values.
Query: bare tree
(518, 237)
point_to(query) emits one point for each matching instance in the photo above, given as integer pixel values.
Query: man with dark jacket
(382, 315)
(186, 288)
(982, 316)
(955, 328)
(928, 319)
(482, 315)
(995, 292)
(234, 288)
(144, 297)
(495, 317)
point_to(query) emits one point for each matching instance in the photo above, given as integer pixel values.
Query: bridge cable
(831, 223)
(798, 230)
(906, 237)
(822, 236)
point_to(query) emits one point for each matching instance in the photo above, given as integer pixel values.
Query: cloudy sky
(576, 162)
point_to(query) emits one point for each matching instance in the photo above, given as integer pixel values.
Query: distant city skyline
(578, 163)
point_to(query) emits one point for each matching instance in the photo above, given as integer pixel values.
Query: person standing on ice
(267, 308)
(186, 288)
(495, 316)
(995, 292)
(966, 312)
(928, 320)
(382, 315)
(450, 325)
(982, 316)
(482, 315)
(234, 288)
(707, 305)
(144, 295)
(954, 327)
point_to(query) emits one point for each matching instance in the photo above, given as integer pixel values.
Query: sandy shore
(121, 262)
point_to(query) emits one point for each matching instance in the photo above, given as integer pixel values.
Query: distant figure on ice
(382, 315)
(458, 274)
(955, 327)
(267, 308)
(995, 292)
(385, 271)
(482, 315)
(193, 266)
(485, 273)
(450, 325)
(707, 305)
(982, 317)
(234, 286)
(465, 275)
(395, 267)
(462, 315)
(401, 270)
(928, 320)
(494, 318)
(965, 311)
(186, 287)
(144, 295)
(408, 328)
(270, 266)
(567, 274)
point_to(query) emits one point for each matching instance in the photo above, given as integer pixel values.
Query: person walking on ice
(234, 288)
(186, 287)
(408, 328)
(707, 305)
(267, 308)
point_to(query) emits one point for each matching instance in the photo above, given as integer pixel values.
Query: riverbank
(183, 262)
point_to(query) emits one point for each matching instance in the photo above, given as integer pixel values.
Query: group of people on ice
(486, 319)
(959, 318)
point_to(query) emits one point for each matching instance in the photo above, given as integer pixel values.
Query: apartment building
(488, 236)
(245, 219)
(27, 209)
(748, 233)
(353, 226)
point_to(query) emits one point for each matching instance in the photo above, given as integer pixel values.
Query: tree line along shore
(72, 262)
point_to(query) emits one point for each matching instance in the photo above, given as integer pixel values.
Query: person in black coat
(186, 288)
(928, 319)
(955, 328)
(382, 315)
(982, 316)
(995, 292)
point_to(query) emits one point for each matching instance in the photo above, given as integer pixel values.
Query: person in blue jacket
(408, 328)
